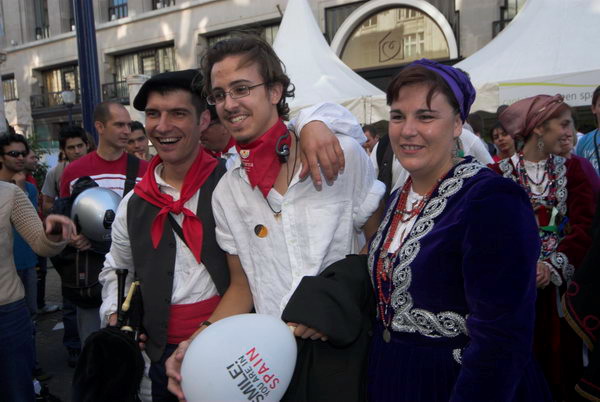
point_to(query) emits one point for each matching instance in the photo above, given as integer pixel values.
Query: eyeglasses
(236, 92)
(15, 154)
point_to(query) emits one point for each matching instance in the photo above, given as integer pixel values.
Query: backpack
(79, 270)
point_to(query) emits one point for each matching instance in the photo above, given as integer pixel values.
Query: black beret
(171, 79)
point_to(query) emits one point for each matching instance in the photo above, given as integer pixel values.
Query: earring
(457, 152)
(540, 144)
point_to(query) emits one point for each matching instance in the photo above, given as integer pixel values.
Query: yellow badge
(244, 153)
(261, 231)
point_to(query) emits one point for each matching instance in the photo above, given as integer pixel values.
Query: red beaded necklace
(384, 262)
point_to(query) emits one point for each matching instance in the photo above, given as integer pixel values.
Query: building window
(71, 22)
(42, 26)
(148, 62)
(157, 4)
(54, 81)
(117, 9)
(407, 13)
(9, 86)
(267, 32)
(394, 36)
(508, 11)
(335, 17)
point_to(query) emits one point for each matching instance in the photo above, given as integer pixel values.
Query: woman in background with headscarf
(455, 295)
(562, 200)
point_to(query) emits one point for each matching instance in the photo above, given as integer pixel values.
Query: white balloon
(246, 357)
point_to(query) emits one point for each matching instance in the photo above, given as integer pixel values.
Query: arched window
(394, 36)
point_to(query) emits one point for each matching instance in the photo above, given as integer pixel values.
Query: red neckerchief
(259, 159)
(194, 179)
(219, 154)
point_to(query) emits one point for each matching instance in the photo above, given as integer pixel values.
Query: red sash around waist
(184, 319)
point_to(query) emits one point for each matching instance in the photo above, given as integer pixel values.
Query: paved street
(51, 354)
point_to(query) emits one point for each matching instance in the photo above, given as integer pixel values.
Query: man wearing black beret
(163, 232)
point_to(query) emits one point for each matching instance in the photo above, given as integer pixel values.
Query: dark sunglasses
(15, 154)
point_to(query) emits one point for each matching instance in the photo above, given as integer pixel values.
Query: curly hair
(255, 50)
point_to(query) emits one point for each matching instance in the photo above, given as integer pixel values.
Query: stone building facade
(150, 36)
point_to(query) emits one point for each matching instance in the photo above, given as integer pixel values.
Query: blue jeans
(71, 334)
(29, 278)
(16, 352)
(41, 272)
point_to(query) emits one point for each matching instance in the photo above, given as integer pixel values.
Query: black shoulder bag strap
(177, 229)
(203, 202)
(596, 150)
(133, 165)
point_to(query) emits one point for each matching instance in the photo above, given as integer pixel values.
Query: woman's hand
(543, 274)
(59, 227)
(304, 332)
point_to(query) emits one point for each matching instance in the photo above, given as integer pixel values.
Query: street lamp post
(68, 98)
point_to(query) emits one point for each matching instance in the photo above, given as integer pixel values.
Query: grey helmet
(94, 211)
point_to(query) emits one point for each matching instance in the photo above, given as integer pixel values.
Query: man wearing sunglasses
(13, 152)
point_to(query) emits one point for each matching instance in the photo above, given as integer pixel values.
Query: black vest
(154, 267)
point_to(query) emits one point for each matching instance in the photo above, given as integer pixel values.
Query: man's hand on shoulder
(320, 151)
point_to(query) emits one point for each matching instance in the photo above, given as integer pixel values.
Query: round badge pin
(261, 231)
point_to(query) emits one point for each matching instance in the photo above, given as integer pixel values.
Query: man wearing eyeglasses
(164, 231)
(275, 228)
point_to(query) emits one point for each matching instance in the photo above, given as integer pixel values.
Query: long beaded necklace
(384, 262)
(526, 182)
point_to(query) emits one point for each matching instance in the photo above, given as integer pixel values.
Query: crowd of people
(442, 267)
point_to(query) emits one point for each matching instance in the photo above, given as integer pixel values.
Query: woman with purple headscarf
(562, 199)
(455, 295)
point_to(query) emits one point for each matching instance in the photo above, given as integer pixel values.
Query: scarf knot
(201, 169)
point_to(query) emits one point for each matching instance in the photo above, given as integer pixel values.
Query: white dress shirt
(191, 281)
(315, 228)
(339, 120)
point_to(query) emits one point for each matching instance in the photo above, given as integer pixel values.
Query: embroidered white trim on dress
(559, 261)
(407, 319)
(555, 277)
(457, 355)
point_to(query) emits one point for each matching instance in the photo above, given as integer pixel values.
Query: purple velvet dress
(461, 297)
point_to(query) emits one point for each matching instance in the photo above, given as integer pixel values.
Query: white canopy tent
(550, 47)
(317, 72)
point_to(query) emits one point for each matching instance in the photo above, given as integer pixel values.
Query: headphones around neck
(283, 151)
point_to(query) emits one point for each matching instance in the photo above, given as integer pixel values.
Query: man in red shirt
(107, 166)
